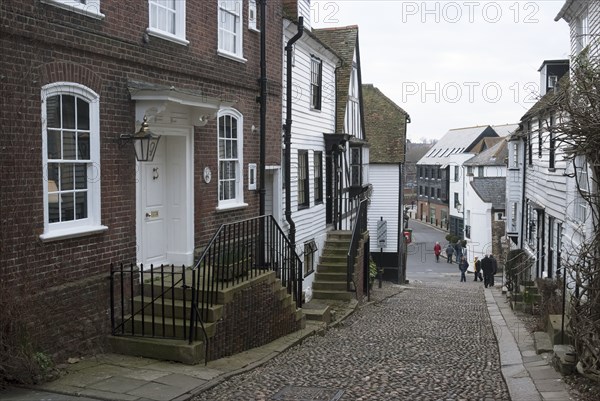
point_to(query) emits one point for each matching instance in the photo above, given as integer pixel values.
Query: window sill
(167, 36)
(514, 169)
(231, 56)
(76, 7)
(83, 231)
(303, 207)
(233, 206)
(552, 169)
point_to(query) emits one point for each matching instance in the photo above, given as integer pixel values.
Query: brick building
(74, 78)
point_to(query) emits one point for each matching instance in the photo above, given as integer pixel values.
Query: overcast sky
(453, 64)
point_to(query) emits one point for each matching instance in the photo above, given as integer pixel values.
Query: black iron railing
(150, 303)
(240, 251)
(359, 226)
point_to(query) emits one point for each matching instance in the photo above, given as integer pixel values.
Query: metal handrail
(359, 227)
(240, 251)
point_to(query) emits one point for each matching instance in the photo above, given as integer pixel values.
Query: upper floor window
(355, 166)
(480, 171)
(318, 167)
(167, 19)
(91, 8)
(552, 144)
(303, 175)
(456, 201)
(469, 170)
(252, 15)
(316, 80)
(529, 143)
(353, 112)
(581, 205)
(230, 29)
(582, 31)
(230, 145)
(71, 160)
(456, 173)
(540, 141)
(514, 155)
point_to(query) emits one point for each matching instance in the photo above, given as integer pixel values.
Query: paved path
(428, 342)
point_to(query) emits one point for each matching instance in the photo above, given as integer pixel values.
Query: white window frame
(231, 8)
(91, 8)
(238, 201)
(91, 224)
(581, 205)
(253, 16)
(316, 83)
(582, 30)
(178, 36)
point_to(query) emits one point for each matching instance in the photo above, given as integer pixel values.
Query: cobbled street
(423, 341)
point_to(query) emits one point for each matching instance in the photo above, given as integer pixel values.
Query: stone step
(331, 276)
(542, 342)
(330, 285)
(162, 349)
(332, 268)
(554, 330)
(166, 327)
(335, 295)
(177, 308)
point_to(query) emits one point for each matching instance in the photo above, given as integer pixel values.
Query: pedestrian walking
(437, 249)
(487, 269)
(494, 269)
(459, 251)
(477, 264)
(463, 265)
(449, 253)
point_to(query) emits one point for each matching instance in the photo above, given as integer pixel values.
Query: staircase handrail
(359, 227)
(259, 240)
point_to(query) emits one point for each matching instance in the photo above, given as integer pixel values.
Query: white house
(386, 123)
(583, 18)
(484, 200)
(313, 114)
(327, 148)
(437, 171)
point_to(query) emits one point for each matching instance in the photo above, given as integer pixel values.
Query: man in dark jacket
(488, 271)
(494, 269)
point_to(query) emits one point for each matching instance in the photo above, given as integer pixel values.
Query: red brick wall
(255, 317)
(41, 44)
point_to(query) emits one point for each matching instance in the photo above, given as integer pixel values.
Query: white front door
(154, 209)
(165, 214)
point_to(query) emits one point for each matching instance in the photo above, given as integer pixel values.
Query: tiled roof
(505, 130)
(385, 122)
(459, 140)
(343, 41)
(493, 156)
(491, 190)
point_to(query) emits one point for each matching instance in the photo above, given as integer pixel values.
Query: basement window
(310, 249)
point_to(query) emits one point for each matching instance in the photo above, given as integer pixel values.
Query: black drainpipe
(288, 131)
(263, 104)
(523, 209)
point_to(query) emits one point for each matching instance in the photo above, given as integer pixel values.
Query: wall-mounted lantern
(145, 142)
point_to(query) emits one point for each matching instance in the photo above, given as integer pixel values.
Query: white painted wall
(384, 203)
(308, 126)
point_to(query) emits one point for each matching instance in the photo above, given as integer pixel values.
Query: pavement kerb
(519, 382)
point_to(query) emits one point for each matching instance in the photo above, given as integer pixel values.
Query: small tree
(579, 132)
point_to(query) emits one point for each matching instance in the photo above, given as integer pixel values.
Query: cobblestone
(429, 341)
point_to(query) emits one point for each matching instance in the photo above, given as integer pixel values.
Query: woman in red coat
(437, 249)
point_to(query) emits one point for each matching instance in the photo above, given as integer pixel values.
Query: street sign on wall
(382, 233)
